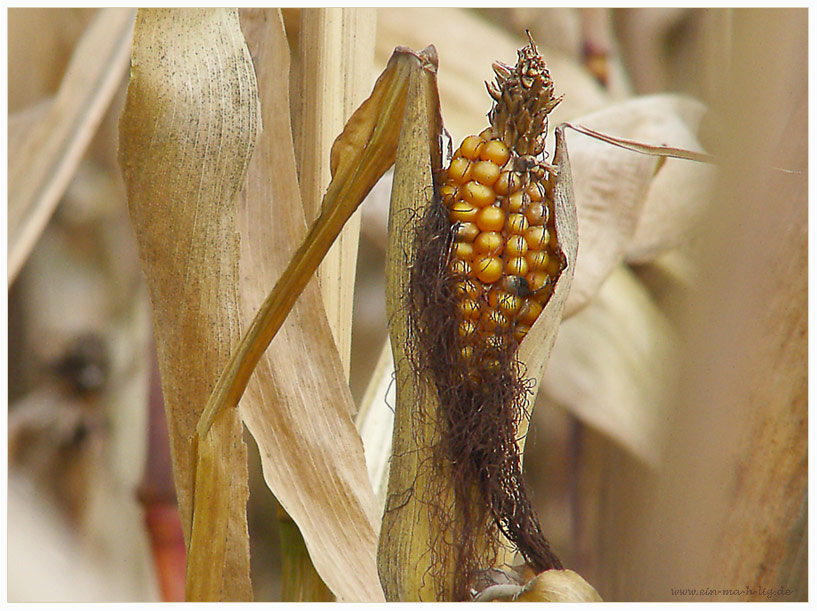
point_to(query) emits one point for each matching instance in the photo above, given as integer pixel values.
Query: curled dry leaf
(186, 136)
(614, 363)
(627, 206)
(298, 403)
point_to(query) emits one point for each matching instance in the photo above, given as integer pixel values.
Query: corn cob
(498, 191)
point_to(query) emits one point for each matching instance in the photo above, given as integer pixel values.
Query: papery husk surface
(186, 137)
(629, 205)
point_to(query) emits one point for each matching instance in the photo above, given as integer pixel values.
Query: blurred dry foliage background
(718, 501)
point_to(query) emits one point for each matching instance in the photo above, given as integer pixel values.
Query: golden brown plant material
(487, 258)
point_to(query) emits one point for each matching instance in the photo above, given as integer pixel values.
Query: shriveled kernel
(537, 237)
(536, 213)
(508, 182)
(485, 172)
(463, 211)
(520, 331)
(470, 147)
(537, 280)
(486, 134)
(490, 218)
(469, 308)
(466, 328)
(466, 232)
(464, 250)
(477, 194)
(538, 260)
(536, 192)
(458, 267)
(459, 171)
(516, 201)
(468, 288)
(516, 246)
(517, 266)
(517, 223)
(529, 312)
(490, 243)
(487, 269)
(496, 151)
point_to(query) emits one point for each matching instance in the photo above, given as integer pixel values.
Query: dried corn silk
(487, 259)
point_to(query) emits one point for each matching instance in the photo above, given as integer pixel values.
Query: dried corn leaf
(614, 364)
(186, 136)
(43, 161)
(298, 405)
(613, 187)
(331, 86)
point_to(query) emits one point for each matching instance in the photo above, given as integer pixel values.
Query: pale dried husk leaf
(298, 403)
(615, 364)
(625, 208)
(44, 158)
(186, 136)
(331, 85)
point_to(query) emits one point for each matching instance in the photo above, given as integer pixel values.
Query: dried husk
(186, 137)
(44, 158)
(415, 561)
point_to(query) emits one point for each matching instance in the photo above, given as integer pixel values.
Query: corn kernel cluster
(505, 257)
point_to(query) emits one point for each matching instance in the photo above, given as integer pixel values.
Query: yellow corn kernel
(492, 320)
(463, 211)
(537, 237)
(538, 260)
(490, 218)
(537, 280)
(448, 194)
(478, 194)
(536, 213)
(470, 147)
(516, 201)
(516, 246)
(516, 266)
(496, 151)
(458, 267)
(536, 192)
(529, 312)
(459, 171)
(517, 223)
(487, 269)
(508, 182)
(553, 266)
(466, 328)
(469, 308)
(520, 331)
(464, 251)
(468, 288)
(485, 172)
(489, 243)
